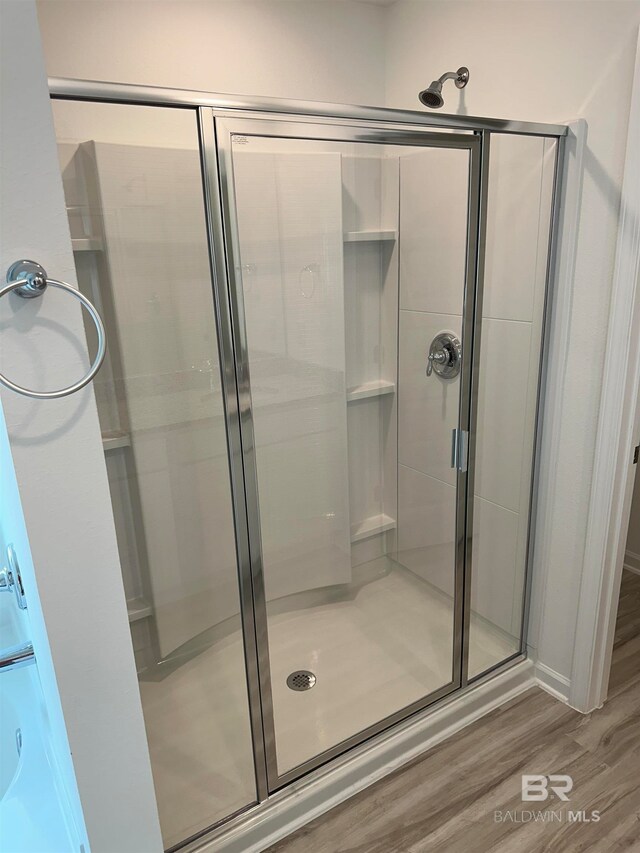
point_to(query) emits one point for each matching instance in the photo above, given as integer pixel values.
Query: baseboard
(303, 801)
(552, 682)
(632, 562)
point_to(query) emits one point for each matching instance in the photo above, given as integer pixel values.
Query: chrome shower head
(432, 96)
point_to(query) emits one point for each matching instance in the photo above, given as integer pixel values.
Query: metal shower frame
(218, 117)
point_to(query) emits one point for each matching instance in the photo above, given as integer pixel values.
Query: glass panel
(352, 260)
(133, 189)
(518, 222)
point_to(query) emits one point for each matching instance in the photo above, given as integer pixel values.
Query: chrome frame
(91, 90)
(473, 327)
(348, 123)
(551, 273)
(253, 567)
(282, 127)
(550, 277)
(232, 409)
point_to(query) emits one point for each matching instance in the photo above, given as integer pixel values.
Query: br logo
(537, 788)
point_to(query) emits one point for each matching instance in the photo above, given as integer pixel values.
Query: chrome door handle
(459, 449)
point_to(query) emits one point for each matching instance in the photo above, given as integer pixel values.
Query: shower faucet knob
(439, 357)
(445, 355)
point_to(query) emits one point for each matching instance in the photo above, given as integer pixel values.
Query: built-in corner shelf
(377, 388)
(138, 608)
(86, 244)
(114, 440)
(369, 236)
(372, 526)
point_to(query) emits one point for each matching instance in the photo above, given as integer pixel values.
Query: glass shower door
(350, 272)
(134, 192)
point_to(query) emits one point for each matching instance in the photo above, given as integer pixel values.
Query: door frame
(617, 434)
(252, 571)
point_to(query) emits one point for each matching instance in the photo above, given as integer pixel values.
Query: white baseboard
(552, 682)
(307, 799)
(632, 562)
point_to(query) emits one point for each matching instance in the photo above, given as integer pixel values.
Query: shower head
(432, 96)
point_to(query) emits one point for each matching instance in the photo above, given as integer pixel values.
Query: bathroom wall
(324, 51)
(164, 396)
(433, 207)
(67, 545)
(433, 220)
(521, 171)
(544, 61)
(290, 242)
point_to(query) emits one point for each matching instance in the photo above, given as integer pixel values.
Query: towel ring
(28, 279)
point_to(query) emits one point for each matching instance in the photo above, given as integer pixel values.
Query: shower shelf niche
(87, 244)
(377, 388)
(370, 236)
(115, 440)
(372, 526)
(370, 230)
(138, 608)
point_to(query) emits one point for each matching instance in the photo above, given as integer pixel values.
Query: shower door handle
(459, 449)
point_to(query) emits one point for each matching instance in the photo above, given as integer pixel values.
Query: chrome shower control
(445, 356)
(11, 579)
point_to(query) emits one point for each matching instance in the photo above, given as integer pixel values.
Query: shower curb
(301, 802)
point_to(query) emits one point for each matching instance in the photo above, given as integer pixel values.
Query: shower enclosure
(319, 414)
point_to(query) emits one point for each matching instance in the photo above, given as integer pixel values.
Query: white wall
(544, 61)
(324, 51)
(71, 569)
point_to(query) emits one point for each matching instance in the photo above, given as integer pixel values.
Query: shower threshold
(261, 825)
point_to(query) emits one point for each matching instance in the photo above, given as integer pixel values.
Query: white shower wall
(156, 252)
(159, 393)
(321, 313)
(433, 228)
(370, 205)
(290, 237)
(551, 62)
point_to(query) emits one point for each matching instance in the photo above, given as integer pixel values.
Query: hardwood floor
(446, 801)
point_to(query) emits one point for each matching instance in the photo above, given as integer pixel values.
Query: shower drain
(301, 679)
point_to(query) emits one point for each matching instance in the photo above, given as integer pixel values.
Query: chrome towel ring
(29, 279)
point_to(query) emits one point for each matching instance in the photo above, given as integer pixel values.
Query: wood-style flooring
(446, 801)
